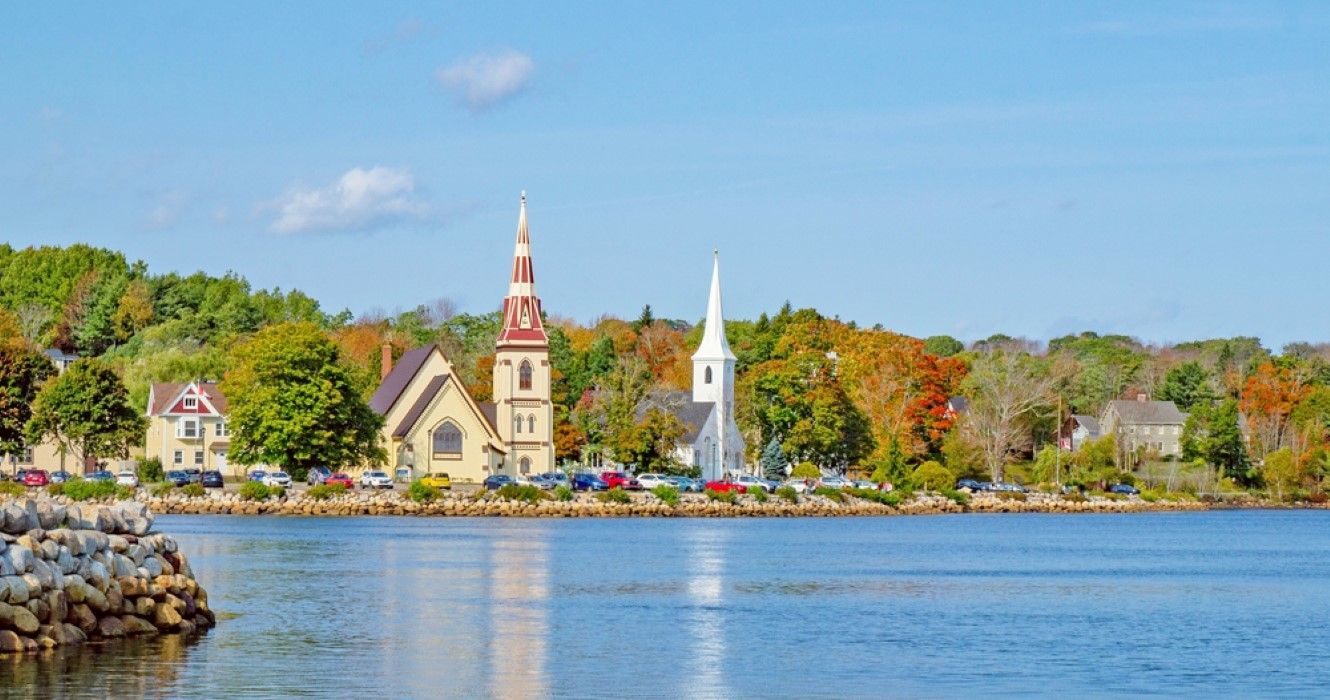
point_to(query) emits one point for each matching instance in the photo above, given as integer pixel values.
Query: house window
(524, 376)
(191, 403)
(517, 424)
(1175, 430)
(26, 456)
(219, 429)
(198, 458)
(707, 376)
(531, 423)
(187, 428)
(447, 439)
(178, 457)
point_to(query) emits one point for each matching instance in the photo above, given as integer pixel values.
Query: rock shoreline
(71, 574)
(647, 505)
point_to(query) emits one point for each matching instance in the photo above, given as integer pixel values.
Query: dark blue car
(177, 478)
(212, 479)
(1124, 489)
(588, 482)
(497, 481)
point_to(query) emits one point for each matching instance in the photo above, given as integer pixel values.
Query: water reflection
(705, 545)
(519, 593)
(123, 668)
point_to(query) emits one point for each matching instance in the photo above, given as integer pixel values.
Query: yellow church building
(432, 424)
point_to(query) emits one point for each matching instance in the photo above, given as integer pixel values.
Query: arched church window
(525, 465)
(517, 424)
(524, 376)
(707, 380)
(531, 423)
(447, 439)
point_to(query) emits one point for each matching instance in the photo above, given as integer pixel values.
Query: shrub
(254, 491)
(1010, 496)
(192, 490)
(1074, 497)
(161, 490)
(419, 491)
(788, 493)
(520, 492)
(150, 470)
(10, 488)
(563, 493)
(55, 489)
(277, 491)
(835, 495)
(667, 494)
(722, 496)
(81, 490)
(614, 495)
(932, 476)
(758, 493)
(958, 497)
(299, 473)
(806, 470)
(323, 492)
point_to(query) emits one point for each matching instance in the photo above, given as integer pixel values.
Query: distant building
(957, 406)
(1152, 425)
(187, 427)
(61, 359)
(1078, 430)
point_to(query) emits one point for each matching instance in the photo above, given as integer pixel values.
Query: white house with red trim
(187, 427)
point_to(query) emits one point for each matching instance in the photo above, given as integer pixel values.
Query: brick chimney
(385, 361)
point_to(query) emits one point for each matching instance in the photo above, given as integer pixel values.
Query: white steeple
(714, 346)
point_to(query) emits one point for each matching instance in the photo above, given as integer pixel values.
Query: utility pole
(1057, 450)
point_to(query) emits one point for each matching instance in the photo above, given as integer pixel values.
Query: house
(956, 407)
(61, 359)
(712, 441)
(1078, 430)
(1145, 424)
(431, 422)
(187, 427)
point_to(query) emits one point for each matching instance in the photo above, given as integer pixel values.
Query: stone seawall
(74, 573)
(647, 505)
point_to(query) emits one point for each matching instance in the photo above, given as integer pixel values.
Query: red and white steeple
(521, 308)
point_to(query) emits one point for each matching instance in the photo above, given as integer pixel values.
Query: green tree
(1225, 446)
(773, 461)
(86, 412)
(293, 403)
(22, 373)
(1281, 473)
(650, 442)
(943, 346)
(1186, 385)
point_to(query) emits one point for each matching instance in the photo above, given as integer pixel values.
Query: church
(432, 424)
(712, 440)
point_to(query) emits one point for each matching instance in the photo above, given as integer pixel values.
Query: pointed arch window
(525, 465)
(447, 439)
(707, 379)
(531, 423)
(517, 424)
(524, 376)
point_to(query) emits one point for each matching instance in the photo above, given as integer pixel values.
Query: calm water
(1229, 603)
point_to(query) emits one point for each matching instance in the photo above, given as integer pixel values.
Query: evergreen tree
(773, 461)
(645, 320)
(1186, 385)
(1225, 447)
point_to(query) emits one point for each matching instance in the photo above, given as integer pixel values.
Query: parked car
(748, 481)
(60, 477)
(720, 486)
(620, 480)
(402, 475)
(556, 477)
(438, 481)
(100, 475)
(834, 482)
(18, 475)
(278, 478)
(212, 479)
(651, 481)
(588, 482)
(257, 475)
(984, 486)
(967, 484)
(494, 482)
(195, 475)
(317, 475)
(340, 478)
(36, 477)
(799, 485)
(864, 484)
(1009, 487)
(128, 478)
(375, 479)
(175, 477)
(1125, 489)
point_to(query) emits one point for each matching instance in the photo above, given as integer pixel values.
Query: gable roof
(680, 404)
(958, 404)
(163, 395)
(1090, 423)
(397, 380)
(1148, 412)
(422, 402)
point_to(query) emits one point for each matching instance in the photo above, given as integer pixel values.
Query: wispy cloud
(408, 31)
(167, 212)
(360, 200)
(1164, 26)
(482, 81)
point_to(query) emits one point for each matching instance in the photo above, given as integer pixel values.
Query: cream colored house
(187, 427)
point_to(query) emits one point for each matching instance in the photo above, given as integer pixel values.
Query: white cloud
(360, 200)
(167, 212)
(485, 80)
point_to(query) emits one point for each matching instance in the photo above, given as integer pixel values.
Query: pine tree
(773, 461)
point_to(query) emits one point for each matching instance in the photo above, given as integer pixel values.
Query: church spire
(521, 308)
(714, 346)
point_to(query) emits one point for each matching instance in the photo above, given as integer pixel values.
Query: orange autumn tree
(1268, 398)
(666, 355)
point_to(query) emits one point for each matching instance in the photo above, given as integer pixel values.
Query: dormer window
(191, 403)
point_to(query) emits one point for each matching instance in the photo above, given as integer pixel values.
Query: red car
(724, 486)
(619, 480)
(36, 477)
(340, 478)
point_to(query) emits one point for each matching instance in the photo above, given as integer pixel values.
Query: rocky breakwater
(74, 573)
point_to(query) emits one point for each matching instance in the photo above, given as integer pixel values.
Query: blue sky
(1157, 169)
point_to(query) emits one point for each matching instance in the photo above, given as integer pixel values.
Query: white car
(127, 478)
(273, 479)
(798, 485)
(751, 482)
(651, 481)
(375, 480)
(834, 482)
